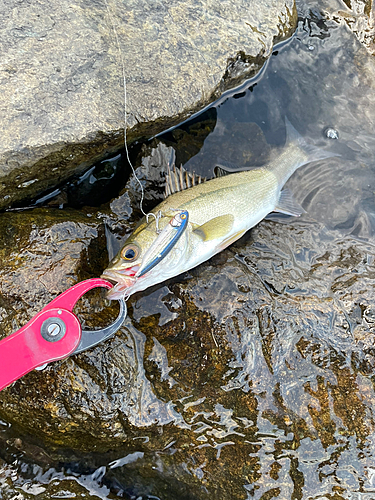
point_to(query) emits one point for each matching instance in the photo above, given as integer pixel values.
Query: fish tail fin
(297, 152)
(313, 153)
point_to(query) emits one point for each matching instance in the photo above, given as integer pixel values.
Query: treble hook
(157, 218)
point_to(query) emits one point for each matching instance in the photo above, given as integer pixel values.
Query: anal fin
(231, 239)
(287, 205)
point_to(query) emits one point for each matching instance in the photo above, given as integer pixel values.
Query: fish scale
(220, 211)
(209, 205)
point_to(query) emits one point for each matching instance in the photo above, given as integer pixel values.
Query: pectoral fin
(215, 228)
(287, 205)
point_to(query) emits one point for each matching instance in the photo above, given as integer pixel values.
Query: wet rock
(359, 17)
(43, 252)
(256, 355)
(62, 99)
(51, 484)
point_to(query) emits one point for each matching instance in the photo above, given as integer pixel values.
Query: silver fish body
(220, 211)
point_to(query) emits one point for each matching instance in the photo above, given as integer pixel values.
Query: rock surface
(360, 18)
(43, 253)
(62, 99)
(239, 351)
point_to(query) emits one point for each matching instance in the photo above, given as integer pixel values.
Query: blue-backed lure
(164, 243)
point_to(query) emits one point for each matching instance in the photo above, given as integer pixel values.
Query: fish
(217, 212)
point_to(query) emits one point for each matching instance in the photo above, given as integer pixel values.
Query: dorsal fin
(223, 167)
(178, 179)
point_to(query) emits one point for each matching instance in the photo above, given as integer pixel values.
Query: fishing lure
(164, 243)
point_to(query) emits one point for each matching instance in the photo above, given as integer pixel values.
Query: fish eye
(130, 253)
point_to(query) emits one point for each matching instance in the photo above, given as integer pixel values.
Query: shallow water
(258, 366)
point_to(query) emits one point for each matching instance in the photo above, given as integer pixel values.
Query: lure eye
(130, 253)
(183, 216)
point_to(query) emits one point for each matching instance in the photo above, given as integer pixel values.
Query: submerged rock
(43, 252)
(62, 99)
(262, 353)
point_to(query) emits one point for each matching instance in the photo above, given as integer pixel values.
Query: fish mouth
(122, 280)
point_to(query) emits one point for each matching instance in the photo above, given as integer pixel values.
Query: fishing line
(158, 215)
(125, 113)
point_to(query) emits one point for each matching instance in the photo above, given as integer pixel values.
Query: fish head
(141, 262)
